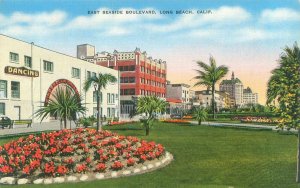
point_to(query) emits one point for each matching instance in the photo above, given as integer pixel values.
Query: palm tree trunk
(213, 101)
(65, 122)
(298, 159)
(147, 129)
(199, 122)
(98, 110)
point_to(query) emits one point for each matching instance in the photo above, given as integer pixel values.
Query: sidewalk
(36, 127)
(254, 126)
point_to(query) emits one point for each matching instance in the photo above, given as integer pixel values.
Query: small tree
(200, 114)
(63, 104)
(209, 75)
(99, 82)
(284, 88)
(150, 105)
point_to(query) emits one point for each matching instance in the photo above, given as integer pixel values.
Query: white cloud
(228, 14)
(38, 24)
(116, 31)
(224, 15)
(101, 20)
(279, 15)
(47, 18)
(238, 34)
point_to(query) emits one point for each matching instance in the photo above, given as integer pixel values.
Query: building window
(108, 98)
(2, 108)
(15, 90)
(88, 74)
(75, 72)
(93, 74)
(112, 98)
(95, 111)
(27, 61)
(95, 96)
(14, 57)
(48, 66)
(3, 89)
(131, 79)
(131, 68)
(108, 112)
(127, 91)
(113, 112)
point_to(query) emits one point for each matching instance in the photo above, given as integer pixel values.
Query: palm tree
(63, 104)
(99, 82)
(209, 75)
(284, 88)
(200, 115)
(150, 105)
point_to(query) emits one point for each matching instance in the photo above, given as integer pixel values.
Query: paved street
(36, 127)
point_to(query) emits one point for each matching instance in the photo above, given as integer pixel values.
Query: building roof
(247, 90)
(179, 85)
(208, 92)
(233, 81)
(173, 100)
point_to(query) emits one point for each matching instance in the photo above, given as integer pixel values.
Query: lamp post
(98, 105)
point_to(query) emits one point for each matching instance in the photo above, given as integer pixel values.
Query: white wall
(33, 90)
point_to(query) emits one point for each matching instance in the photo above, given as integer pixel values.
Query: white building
(235, 88)
(204, 99)
(29, 74)
(249, 97)
(179, 92)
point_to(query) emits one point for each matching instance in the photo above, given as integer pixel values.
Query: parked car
(176, 116)
(5, 122)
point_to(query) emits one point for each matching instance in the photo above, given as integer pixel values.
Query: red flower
(6, 169)
(117, 165)
(81, 168)
(26, 170)
(88, 160)
(62, 170)
(49, 168)
(34, 164)
(118, 146)
(53, 150)
(130, 162)
(100, 167)
(143, 157)
(2, 160)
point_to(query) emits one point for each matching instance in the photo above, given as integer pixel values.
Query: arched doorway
(61, 83)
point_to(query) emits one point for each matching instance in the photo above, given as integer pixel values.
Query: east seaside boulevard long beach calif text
(149, 12)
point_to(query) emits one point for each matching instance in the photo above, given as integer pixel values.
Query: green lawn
(210, 157)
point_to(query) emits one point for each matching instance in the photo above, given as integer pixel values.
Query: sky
(248, 36)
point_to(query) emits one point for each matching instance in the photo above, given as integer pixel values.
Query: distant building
(179, 92)
(249, 97)
(204, 99)
(235, 89)
(140, 75)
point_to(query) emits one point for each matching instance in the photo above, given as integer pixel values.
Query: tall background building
(234, 87)
(249, 97)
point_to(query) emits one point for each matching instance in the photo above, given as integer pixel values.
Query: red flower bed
(120, 123)
(187, 117)
(252, 119)
(74, 151)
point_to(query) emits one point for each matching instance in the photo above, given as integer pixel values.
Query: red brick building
(139, 74)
